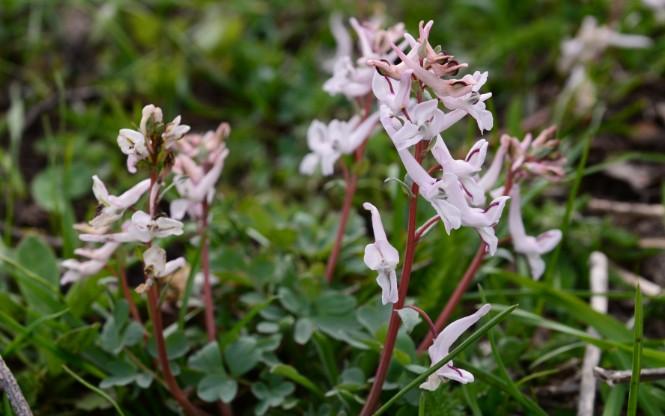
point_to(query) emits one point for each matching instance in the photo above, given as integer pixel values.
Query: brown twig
(623, 376)
(10, 386)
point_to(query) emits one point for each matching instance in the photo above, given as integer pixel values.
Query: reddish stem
(211, 328)
(126, 291)
(346, 208)
(156, 318)
(158, 329)
(393, 325)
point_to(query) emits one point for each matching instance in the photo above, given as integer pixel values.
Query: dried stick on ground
(623, 376)
(10, 386)
(626, 208)
(598, 281)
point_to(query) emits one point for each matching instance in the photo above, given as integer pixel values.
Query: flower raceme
(382, 257)
(441, 347)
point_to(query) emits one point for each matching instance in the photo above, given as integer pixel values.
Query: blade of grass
(475, 336)
(512, 387)
(614, 403)
(96, 390)
(637, 355)
(30, 275)
(606, 344)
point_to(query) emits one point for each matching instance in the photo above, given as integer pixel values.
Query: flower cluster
(457, 195)
(154, 141)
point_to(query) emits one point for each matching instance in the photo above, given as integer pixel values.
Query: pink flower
(441, 347)
(381, 256)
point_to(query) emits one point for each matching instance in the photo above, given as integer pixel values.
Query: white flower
(77, 270)
(381, 256)
(352, 81)
(532, 247)
(441, 347)
(483, 220)
(448, 198)
(150, 114)
(329, 142)
(433, 191)
(592, 40)
(441, 87)
(97, 259)
(133, 144)
(155, 264)
(466, 169)
(174, 132)
(344, 44)
(114, 206)
(473, 103)
(422, 121)
(492, 173)
(394, 95)
(141, 228)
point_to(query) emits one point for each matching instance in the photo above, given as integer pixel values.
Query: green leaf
(176, 345)
(48, 189)
(242, 355)
(303, 330)
(207, 359)
(217, 387)
(38, 275)
(292, 374)
(637, 354)
(118, 332)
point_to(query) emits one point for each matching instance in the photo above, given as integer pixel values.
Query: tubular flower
(473, 103)
(112, 207)
(532, 247)
(381, 256)
(141, 228)
(441, 347)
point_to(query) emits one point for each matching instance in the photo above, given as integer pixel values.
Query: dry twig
(598, 278)
(10, 386)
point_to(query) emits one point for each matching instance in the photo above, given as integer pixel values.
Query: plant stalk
(393, 325)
